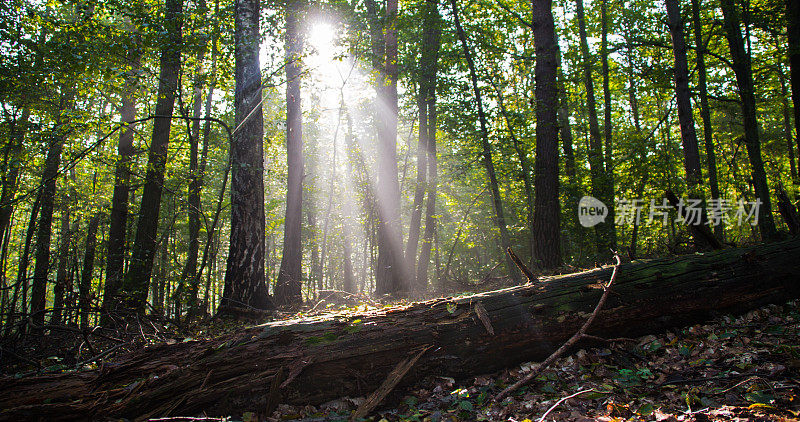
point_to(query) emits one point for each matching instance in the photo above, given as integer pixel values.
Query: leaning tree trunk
(313, 361)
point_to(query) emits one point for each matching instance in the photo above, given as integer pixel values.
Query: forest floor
(732, 368)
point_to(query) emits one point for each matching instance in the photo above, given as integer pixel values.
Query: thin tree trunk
(705, 112)
(744, 81)
(431, 46)
(607, 127)
(787, 124)
(546, 224)
(604, 231)
(691, 152)
(22, 272)
(62, 286)
(10, 175)
(505, 238)
(525, 165)
(289, 283)
(245, 284)
(422, 169)
(85, 286)
(391, 270)
(136, 282)
(43, 237)
(122, 175)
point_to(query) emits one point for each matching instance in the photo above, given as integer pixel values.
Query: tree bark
(744, 81)
(351, 356)
(245, 284)
(288, 285)
(546, 218)
(137, 280)
(497, 201)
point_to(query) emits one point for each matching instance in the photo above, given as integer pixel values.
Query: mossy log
(315, 360)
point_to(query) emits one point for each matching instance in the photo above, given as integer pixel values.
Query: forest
(388, 210)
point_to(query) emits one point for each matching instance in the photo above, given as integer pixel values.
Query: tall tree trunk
(188, 279)
(546, 227)
(744, 81)
(607, 127)
(392, 271)
(136, 282)
(85, 286)
(49, 176)
(122, 176)
(604, 232)
(288, 286)
(62, 285)
(430, 59)
(422, 169)
(691, 152)
(500, 220)
(705, 112)
(245, 284)
(793, 37)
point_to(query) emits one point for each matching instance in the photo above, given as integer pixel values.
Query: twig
(388, 385)
(562, 401)
(571, 342)
(524, 268)
(101, 355)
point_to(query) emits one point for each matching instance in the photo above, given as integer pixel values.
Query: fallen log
(315, 360)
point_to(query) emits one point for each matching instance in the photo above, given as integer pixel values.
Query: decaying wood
(352, 355)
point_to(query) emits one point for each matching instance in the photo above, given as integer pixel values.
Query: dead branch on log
(388, 385)
(522, 267)
(572, 340)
